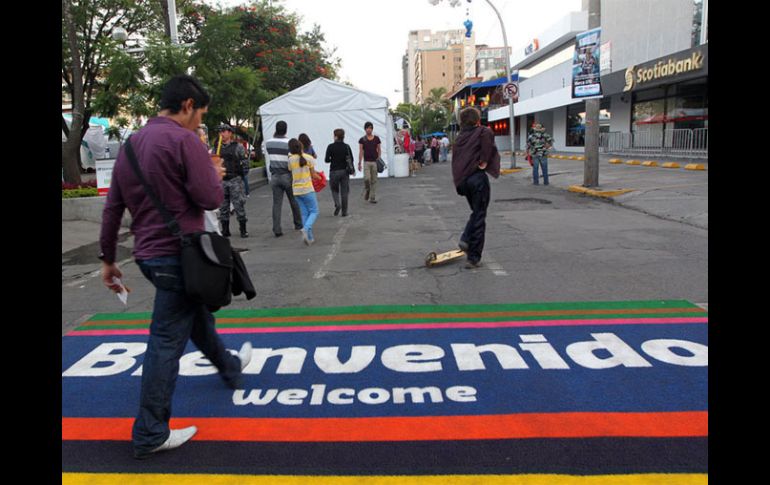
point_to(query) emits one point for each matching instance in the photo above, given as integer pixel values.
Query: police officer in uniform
(234, 160)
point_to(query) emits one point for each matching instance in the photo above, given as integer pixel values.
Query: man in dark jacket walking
(474, 155)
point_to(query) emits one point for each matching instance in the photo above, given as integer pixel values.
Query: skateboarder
(474, 155)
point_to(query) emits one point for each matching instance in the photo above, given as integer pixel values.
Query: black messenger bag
(207, 267)
(207, 257)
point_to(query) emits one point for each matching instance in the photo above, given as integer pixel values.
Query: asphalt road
(543, 244)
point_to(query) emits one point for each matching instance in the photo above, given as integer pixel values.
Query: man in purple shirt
(179, 169)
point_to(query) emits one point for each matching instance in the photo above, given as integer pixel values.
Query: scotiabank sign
(662, 69)
(682, 66)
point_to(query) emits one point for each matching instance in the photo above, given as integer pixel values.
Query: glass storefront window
(683, 106)
(648, 113)
(576, 126)
(576, 123)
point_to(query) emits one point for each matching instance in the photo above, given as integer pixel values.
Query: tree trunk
(69, 161)
(71, 148)
(166, 22)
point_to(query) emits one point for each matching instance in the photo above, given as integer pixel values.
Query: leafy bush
(91, 184)
(80, 192)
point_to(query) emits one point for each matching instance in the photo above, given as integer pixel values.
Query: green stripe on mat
(363, 310)
(319, 323)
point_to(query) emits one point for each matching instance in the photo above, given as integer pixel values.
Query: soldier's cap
(225, 126)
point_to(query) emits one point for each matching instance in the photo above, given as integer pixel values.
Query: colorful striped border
(565, 456)
(423, 428)
(376, 318)
(529, 479)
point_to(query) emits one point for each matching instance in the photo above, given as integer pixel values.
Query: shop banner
(585, 65)
(104, 175)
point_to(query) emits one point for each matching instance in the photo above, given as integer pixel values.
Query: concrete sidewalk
(673, 194)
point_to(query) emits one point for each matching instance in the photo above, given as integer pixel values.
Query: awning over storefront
(492, 83)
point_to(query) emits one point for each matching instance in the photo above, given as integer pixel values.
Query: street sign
(511, 90)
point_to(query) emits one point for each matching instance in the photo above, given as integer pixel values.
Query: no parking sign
(511, 91)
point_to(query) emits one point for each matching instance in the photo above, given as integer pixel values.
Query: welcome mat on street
(543, 393)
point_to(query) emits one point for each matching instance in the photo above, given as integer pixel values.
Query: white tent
(321, 106)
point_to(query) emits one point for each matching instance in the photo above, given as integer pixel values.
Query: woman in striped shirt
(303, 173)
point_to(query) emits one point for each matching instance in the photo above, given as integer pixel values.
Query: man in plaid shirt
(538, 144)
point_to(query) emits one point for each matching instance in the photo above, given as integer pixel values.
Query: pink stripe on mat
(421, 326)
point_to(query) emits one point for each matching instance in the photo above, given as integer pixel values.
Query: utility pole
(172, 22)
(591, 164)
(511, 118)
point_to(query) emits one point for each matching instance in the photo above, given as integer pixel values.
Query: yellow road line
(532, 479)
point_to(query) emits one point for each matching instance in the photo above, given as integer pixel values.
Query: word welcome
(342, 396)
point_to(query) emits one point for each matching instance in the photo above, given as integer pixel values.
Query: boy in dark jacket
(474, 155)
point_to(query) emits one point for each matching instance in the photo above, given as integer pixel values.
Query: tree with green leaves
(87, 50)
(244, 55)
(271, 44)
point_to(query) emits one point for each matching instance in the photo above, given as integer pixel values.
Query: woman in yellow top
(303, 173)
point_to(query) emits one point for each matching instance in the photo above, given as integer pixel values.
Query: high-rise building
(438, 59)
(490, 61)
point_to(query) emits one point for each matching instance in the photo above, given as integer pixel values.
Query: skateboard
(434, 259)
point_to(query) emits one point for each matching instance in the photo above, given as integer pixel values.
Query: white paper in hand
(123, 295)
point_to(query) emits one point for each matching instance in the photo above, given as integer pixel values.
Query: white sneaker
(304, 237)
(245, 354)
(176, 438)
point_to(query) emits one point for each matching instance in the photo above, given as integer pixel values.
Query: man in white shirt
(444, 149)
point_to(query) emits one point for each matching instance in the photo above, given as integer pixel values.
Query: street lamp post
(512, 126)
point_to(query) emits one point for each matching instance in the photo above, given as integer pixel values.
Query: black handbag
(381, 165)
(349, 161)
(207, 257)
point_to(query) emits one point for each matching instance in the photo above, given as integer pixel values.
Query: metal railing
(676, 143)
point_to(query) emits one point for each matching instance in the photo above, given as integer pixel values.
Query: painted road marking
(82, 281)
(336, 243)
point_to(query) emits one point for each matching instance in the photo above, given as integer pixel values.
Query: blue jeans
(308, 205)
(175, 320)
(477, 192)
(540, 160)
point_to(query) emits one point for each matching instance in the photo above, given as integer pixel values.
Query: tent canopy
(321, 106)
(321, 96)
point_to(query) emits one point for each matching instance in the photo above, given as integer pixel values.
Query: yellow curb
(671, 165)
(607, 194)
(510, 170)
(695, 166)
(572, 158)
(650, 163)
(616, 161)
(580, 158)
(633, 162)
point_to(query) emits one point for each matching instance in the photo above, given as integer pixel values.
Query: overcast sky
(370, 36)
